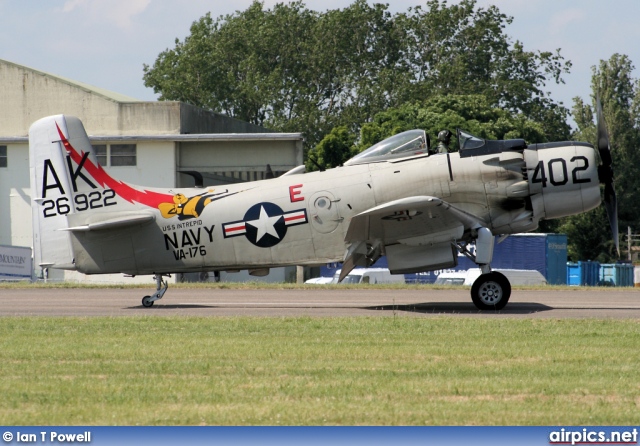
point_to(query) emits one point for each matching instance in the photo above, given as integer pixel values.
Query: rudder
(51, 197)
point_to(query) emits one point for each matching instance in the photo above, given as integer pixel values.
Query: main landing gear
(161, 288)
(491, 291)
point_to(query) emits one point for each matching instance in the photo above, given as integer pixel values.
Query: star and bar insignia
(265, 224)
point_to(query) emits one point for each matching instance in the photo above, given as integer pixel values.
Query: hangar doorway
(233, 158)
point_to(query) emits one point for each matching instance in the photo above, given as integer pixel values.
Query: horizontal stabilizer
(112, 222)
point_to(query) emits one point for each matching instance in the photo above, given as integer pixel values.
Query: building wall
(226, 154)
(28, 95)
(155, 165)
(15, 198)
(33, 94)
(196, 120)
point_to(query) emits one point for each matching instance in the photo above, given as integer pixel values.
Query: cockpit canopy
(471, 145)
(409, 143)
(415, 142)
(468, 141)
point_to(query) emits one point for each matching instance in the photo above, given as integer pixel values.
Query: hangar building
(146, 143)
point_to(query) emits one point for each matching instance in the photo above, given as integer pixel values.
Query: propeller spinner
(605, 174)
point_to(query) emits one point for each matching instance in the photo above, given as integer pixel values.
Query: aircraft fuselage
(303, 219)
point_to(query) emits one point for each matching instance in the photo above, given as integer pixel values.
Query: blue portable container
(626, 274)
(616, 274)
(585, 273)
(556, 257)
(590, 272)
(574, 277)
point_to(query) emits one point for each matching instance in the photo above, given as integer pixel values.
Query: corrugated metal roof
(204, 137)
(178, 138)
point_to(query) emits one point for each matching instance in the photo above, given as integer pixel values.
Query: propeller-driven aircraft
(398, 198)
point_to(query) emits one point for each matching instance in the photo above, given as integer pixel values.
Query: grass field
(318, 371)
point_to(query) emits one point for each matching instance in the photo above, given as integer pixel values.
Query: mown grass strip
(318, 371)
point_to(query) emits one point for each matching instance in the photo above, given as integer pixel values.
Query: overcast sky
(105, 42)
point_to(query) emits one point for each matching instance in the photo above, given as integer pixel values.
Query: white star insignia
(265, 224)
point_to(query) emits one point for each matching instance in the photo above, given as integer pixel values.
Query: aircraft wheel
(147, 302)
(491, 291)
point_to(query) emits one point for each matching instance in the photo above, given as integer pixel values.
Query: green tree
(334, 149)
(293, 69)
(473, 113)
(288, 68)
(461, 49)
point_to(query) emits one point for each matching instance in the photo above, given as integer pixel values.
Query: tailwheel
(491, 291)
(161, 288)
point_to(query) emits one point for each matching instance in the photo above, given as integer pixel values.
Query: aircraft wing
(412, 220)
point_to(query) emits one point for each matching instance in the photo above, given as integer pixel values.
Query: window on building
(3, 156)
(123, 154)
(101, 154)
(115, 154)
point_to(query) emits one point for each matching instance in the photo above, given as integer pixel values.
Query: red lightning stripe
(148, 198)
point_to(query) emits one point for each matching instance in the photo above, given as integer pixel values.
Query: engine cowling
(562, 178)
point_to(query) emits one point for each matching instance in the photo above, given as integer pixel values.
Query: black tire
(491, 291)
(147, 302)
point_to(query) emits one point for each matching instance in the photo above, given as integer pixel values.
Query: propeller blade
(605, 174)
(603, 135)
(611, 206)
(197, 177)
(269, 173)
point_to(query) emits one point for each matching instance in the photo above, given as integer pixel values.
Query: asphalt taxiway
(590, 303)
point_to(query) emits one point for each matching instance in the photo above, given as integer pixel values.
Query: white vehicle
(515, 276)
(319, 280)
(369, 275)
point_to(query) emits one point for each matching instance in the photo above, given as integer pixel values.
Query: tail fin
(51, 189)
(72, 194)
